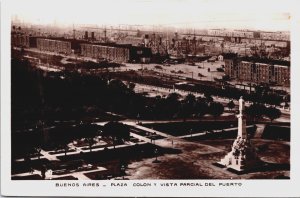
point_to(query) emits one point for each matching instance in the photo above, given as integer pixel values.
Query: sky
(235, 14)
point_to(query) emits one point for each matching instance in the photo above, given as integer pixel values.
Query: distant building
(237, 34)
(58, 45)
(19, 40)
(23, 40)
(102, 51)
(257, 70)
(231, 61)
(116, 52)
(220, 58)
(133, 40)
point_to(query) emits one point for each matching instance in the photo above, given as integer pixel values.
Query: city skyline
(193, 14)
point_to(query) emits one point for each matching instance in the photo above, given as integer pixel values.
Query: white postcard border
(274, 188)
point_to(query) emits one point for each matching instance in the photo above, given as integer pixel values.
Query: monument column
(242, 156)
(241, 122)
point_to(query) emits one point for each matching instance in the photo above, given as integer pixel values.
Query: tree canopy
(116, 130)
(231, 105)
(216, 109)
(272, 113)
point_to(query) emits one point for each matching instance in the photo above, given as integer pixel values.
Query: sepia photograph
(149, 90)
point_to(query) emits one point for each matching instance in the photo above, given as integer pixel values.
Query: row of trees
(39, 96)
(173, 107)
(60, 137)
(262, 93)
(257, 111)
(36, 95)
(115, 131)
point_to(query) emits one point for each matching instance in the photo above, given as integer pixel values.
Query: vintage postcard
(149, 98)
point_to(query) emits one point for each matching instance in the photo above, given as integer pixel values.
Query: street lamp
(155, 153)
(137, 118)
(123, 170)
(154, 134)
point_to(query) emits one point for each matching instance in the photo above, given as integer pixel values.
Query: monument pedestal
(242, 156)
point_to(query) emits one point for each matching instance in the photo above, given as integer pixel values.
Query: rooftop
(266, 61)
(229, 55)
(256, 59)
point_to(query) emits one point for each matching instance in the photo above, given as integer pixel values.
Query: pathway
(49, 156)
(148, 129)
(79, 174)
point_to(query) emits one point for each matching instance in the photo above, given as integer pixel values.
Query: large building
(113, 53)
(23, 40)
(116, 52)
(278, 36)
(231, 61)
(257, 70)
(19, 40)
(57, 45)
(110, 51)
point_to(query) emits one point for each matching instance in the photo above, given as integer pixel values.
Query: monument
(242, 156)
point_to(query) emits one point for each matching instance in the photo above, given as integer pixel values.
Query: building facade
(230, 62)
(258, 70)
(19, 40)
(23, 40)
(113, 53)
(54, 45)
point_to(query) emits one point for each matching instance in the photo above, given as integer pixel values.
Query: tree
(131, 86)
(136, 105)
(208, 97)
(40, 127)
(117, 85)
(216, 109)
(173, 97)
(201, 107)
(187, 106)
(272, 113)
(90, 131)
(170, 106)
(38, 150)
(255, 111)
(271, 99)
(63, 137)
(231, 105)
(184, 110)
(116, 131)
(286, 105)
(190, 99)
(28, 144)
